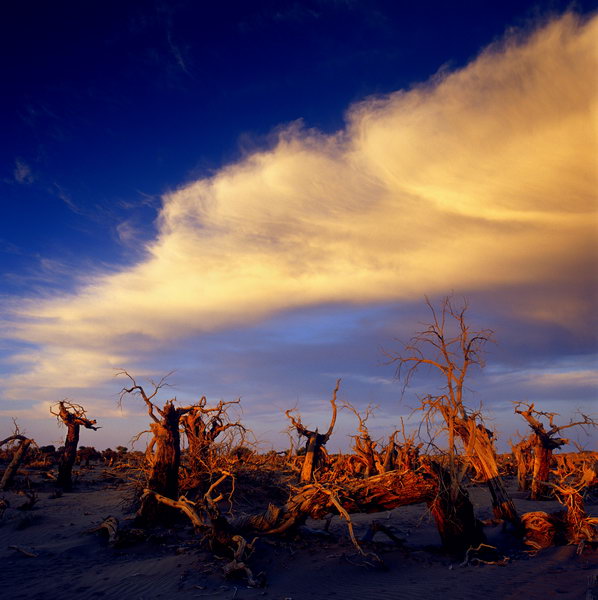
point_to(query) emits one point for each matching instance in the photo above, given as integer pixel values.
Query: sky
(259, 196)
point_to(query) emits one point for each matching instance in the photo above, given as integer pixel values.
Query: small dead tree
(164, 451)
(523, 453)
(544, 442)
(314, 448)
(363, 445)
(450, 346)
(20, 451)
(404, 455)
(202, 426)
(72, 416)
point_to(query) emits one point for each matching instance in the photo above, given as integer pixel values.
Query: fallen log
(374, 494)
(458, 527)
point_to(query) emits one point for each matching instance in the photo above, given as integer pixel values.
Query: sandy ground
(71, 562)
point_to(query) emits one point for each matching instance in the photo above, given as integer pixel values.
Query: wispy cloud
(476, 181)
(22, 172)
(67, 199)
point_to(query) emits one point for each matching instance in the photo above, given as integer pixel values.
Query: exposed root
(343, 513)
(474, 556)
(237, 566)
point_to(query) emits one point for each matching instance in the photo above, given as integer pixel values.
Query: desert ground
(52, 551)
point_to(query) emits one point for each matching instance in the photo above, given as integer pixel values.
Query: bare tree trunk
(480, 452)
(164, 474)
(17, 459)
(73, 416)
(544, 441)
(314, 448)
(453, 513)
(312, 455)
(541, 470)
(390, 455)
(522, 453)
(67, 460)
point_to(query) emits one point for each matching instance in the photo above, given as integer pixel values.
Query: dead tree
(450, 346)
(523, 453)
(202, 426)
(363, 445)
(17, 458)
(544, 442)
(316, 500)
(571, 526)
(404, 455)
(314, 447)
(164, 450)
(453, 513)
(72, 416)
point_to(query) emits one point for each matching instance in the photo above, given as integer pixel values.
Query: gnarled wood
(73, 416)
(544, 442)
(481, 454)
(163, 453)
(16, 461)
(314, 447)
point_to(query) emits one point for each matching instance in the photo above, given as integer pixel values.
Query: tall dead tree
(314, 447)
(450, 346)
(164, 451)
(544, 442)
(73, 416)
